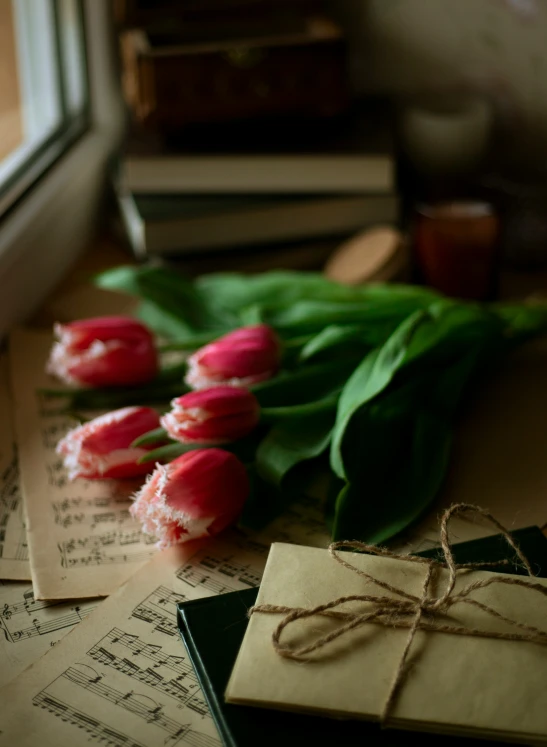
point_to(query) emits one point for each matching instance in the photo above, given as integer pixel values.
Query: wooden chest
(169, 83)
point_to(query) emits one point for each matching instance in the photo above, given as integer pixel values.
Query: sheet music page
(123, 675)
(14, 563)
(82, 540)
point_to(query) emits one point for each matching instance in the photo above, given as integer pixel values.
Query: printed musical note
(95, 550)
(29, 627)
(137, 702)
(172, 676)
(96, 729)
(158, 609)
(151, 652)
(217, 574)
(29, 618)
(13, 538)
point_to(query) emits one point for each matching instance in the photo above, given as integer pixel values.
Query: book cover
(174, 224)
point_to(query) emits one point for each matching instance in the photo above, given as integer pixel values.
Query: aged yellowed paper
(457, 684)
(28, 628)
(14, 563)
(82, 540)
(123, 675)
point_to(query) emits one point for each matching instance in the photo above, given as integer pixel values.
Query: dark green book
(212, 630)
(181, 224)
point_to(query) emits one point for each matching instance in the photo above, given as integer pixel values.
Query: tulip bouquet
(284, 376)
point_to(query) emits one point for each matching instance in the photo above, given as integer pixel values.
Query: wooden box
(169, 84)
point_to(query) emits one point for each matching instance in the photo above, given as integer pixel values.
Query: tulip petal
(212, 416)
(102, 448)
(197, 495)
(104, 351)
(241, 358)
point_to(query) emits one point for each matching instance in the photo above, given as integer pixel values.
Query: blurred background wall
(497, 47)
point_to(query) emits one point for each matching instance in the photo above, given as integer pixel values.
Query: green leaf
(330, 337)
(292, 442)
(285, 464)
(292, 412)
(164, 324)
(372, 376)
(192, 341)
(304, 385)
(171, 301)
(523, 321)
(151, 437)
(230, 292)
(245, 448)
(401, 446)
(265, 502)
(172, 374)
(293, 302)
(436, 337)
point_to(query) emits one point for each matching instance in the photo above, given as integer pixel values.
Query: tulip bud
(196, 495)
(212, 416)
(240, 358)
(104, 351)
(102, 447)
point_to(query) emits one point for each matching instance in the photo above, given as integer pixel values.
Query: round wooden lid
(376, 255)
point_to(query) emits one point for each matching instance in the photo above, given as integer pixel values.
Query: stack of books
(258, 187)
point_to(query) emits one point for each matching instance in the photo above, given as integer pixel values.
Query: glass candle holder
(446, 135)
(456, 248)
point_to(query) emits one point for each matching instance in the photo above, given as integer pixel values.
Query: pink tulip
(104, 351)
(240, 358)
(196, 495)
(102, 447)
(212, 416)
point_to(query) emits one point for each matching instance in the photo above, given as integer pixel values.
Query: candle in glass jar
(446, 135)
(455, 246)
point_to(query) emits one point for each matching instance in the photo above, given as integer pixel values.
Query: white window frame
(56, 220)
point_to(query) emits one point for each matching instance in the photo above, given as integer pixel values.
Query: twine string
(405, 610)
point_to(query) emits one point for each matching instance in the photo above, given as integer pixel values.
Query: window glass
(74, 71)
(42, 83)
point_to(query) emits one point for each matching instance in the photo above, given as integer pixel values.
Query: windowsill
(48, 230)
(75, 297)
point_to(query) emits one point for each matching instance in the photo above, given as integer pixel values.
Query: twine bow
(406, 610)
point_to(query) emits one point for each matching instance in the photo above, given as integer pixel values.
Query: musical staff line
(13, 536)
(173, 687)
(137, 703)
(217, 574)
(30, 618)
(82, 519)
(96, 729)
(95, 549)
(149, 651)
(158, 609)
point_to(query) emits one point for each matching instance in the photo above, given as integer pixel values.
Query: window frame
(63, 136)
(39, 237)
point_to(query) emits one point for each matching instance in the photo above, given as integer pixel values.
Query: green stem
(196, 342)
